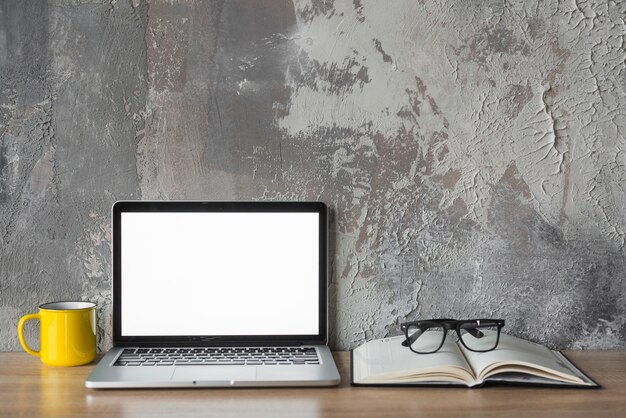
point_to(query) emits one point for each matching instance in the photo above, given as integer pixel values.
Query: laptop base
(108, 376)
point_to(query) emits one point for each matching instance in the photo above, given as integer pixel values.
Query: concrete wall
(473, 152)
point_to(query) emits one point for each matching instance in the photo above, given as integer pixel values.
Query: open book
(517, 361)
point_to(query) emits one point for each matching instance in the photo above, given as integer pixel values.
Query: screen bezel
(211, 206)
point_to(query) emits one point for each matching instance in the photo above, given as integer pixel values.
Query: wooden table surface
(29, 388)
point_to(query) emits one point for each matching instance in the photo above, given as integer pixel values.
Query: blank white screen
(219, 273)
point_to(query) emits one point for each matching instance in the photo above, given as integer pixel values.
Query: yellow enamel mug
(67, 333)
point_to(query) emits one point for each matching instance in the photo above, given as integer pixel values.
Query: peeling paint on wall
(472, 152)
(503, 130)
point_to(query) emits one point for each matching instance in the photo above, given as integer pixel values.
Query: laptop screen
(215, 272)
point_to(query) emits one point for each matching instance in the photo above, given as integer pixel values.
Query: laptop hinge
(200, 343)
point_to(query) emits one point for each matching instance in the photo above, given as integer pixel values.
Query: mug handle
(20, 333)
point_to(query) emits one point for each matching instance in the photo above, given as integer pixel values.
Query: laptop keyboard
(218, 356)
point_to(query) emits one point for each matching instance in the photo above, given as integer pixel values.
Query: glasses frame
(449, 325)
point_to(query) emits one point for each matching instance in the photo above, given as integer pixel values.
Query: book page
(515, 355)
(387, 361)
(523, 378)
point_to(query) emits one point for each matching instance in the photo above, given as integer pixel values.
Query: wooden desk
(29, 388)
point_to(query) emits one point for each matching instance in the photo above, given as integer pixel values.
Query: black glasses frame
(449, 325)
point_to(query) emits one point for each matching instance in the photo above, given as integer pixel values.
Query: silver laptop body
(218, 294)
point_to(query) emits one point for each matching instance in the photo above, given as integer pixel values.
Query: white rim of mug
(83, 306)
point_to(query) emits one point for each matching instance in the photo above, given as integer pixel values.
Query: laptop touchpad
(203, 373)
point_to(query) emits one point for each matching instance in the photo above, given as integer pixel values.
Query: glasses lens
(425, 339)
(480, 335)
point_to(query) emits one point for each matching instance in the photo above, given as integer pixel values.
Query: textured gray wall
(473, 152)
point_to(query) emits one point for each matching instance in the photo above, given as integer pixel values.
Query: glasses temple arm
(474, 332)
(410, 340)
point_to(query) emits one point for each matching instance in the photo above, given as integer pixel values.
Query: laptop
(218, 294)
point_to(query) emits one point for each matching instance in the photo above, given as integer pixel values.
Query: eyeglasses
(428, 336)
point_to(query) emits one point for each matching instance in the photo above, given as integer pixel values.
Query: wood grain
(29, 388)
